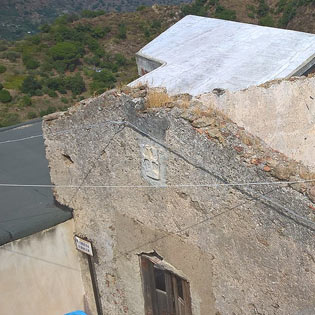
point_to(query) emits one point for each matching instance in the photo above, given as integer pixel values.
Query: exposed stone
(267, 168)
(53, 116)
(203, 122)
(311, 193)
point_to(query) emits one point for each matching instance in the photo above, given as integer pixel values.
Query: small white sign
(83, 245)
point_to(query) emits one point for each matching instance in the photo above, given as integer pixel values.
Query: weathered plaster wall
(146, 64)
(245, 250)
(40, 274)
(282, 113)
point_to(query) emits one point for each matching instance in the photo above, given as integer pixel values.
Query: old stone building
(187, 212)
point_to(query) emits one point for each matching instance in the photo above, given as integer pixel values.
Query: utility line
(180, 231)
(84, 127)
(136, 129)
(40, 259)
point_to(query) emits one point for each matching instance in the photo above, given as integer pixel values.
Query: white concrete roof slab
(200, 54)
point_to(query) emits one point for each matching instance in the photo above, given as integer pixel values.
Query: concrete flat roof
(26, 210)
(200, 54)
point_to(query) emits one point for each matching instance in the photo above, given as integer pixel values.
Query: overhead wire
(186, 228)
(143, 133)
(86, 127)
(39, 259)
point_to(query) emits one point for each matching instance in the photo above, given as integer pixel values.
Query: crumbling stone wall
(245, 249)
(282, 113)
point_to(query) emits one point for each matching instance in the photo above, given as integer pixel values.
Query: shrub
(225, 14)
(2, 69)
(10, 55)
(120, 60)
(5, 96)
(64, 100)
(52, 93)
(288, 14)
(103, 80)
(31, 115)
(100, 32)
(75, 84)
(196, 8)
(156, 24)
(9, 119)
(46, 66)
(262, 9)
(14, 82)
(35, 39)
(92, 43)
(147, 33)
(26, 101)
(45, 28)
(30, 85)
(122, 31)
(92, 14)
(1, 86)
(3, 47)
(140, 8)
(49, 110)
(38, 92)
(266, 21)
(30, 63)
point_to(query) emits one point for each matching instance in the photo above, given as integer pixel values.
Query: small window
(165, 292)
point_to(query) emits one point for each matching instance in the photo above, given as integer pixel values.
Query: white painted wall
(40, 274)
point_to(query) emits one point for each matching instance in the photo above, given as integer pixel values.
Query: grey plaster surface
(200, 54)
(244, 250)
(25, 210)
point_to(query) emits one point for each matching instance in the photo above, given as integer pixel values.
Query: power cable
(40, 259)
(86, 127)
(180, 231)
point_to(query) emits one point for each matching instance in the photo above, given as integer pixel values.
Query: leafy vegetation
(71, 59)
(3, 69)
(5, 96)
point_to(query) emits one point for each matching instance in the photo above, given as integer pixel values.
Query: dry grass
(158, 99)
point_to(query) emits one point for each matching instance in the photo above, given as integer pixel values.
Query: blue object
(76, 313)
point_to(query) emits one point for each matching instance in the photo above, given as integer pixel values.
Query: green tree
(75, 84)
(5, 96)
(2, 69)
(66, 52)
(30, 85)
(30, 63)
(102, 80)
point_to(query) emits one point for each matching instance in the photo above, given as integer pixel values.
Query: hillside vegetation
(19, 17)
(76, 57)
(72, 59)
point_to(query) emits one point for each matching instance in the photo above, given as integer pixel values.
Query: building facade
(185, 210)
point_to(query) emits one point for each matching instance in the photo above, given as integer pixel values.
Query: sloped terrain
(18, 17)
(78, 56)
